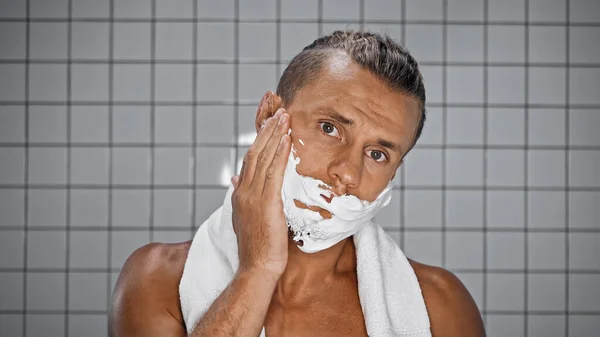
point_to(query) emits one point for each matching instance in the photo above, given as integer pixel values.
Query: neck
(305, 273)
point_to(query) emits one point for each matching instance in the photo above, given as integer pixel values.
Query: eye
(329, 129)
(377, 155)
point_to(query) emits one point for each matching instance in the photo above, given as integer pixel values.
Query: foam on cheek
(349, 213)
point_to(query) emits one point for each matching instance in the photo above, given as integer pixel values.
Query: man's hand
(258, 218)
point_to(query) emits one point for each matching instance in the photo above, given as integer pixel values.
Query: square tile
(219, 9)
(547, 44)
(396, 236)
(210, 90)
(329, 28)
(382, 10)
(584, 44)
(47, 165)
(131, 41)
(546, 127)
(308, 9)
(178, 9)
(12, 82)
(464, 209)
(89, 124)
(505, 325)
(505, 167)
(547, 11)
(423, 209)
(45, 291)
(207, 201)
(505, 250)
(46, 249)
(584, 168)
(174, 40)
(173, 124)
(506, 85)
(125, 243)
(582, 82)
(215, 124)
(215, 41)
(88, 325)
(583, 209)
(464, 250)
(47, 124)
(89, 208)
(131, 124)
(90, 9)
(506, 126)
(173, 82)
(506, 43)
(581, 127)
(433, 79)
(389, 216)
(131, 82)
(342, 10)
(88, 249)
(506, 10)
(131, 208)
(465, 85)
(584, 293)
(465, 43)
(583, 11)
(12, 245)
(546, 251)
(424, 167)
(474, 284)
(465, 10)
(132, 8)
(546, 209)
(87, 291)
(12, 9)
(11, 292)
(505, 291)
(172, 208)
(583, 325)
(12, 207)
(45, 325)
(89, 165)
(246, 122)
(48, 40)
(12, 165)
(82, 89)
(393, 30)
(424, 247)
(546, 168)
(425, 42)
(506, 209)
(12, 124)
(254, 79)
(131, 166)
(258, 9)
(547, 85)
(13, 39)
(546, 325)
(433, 128)
(424, 9)
(11, 324)
(464, 167)
(294, 37)
(215, 165)
(173, 166)
(464, 125)
(584, 249)
(172, 236)
(251, 48)
(48, 82)
(47, 207)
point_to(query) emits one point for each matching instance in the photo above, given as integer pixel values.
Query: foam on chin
(349, 213)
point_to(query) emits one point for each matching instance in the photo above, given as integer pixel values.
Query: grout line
(69, 169)
(320, 18)
(403, 168)
(152, 160)
(110, 155)
(194, 120)
(444, 127)
(484, 303)
(568, 230)
(236, 85)
(526, 179)
(26, 166)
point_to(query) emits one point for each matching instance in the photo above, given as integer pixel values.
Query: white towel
(390, 296)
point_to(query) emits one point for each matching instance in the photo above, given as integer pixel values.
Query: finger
(274, 175)
(251, 156)
(266, 157)
(234, 181)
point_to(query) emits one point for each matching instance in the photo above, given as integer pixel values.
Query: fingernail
(279, 112)
(283, 118)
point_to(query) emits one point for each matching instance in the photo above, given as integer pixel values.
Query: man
(356, 100)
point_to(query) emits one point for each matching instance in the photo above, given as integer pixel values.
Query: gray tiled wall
(121, 122)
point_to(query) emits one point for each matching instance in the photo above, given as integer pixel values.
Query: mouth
(325, 214)
(328, 199)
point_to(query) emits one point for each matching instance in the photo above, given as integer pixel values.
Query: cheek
(314, 157)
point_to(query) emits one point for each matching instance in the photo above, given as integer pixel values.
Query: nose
(345, 171)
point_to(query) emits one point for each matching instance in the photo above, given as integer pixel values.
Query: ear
(267, 108)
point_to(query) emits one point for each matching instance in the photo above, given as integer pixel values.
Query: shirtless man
(358, 99)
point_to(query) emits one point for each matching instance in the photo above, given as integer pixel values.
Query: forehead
(345, 87)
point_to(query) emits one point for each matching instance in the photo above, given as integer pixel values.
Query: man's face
(354, 129)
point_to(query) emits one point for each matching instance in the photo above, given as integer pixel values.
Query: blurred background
(122, 121)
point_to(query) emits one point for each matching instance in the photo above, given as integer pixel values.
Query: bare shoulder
(148, 286)
(452, 310)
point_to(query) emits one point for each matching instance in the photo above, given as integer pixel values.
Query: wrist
(261, 275)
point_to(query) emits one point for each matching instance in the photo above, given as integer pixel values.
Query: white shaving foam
(349, 213)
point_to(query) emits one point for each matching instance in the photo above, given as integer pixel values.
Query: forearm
(241, 308)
